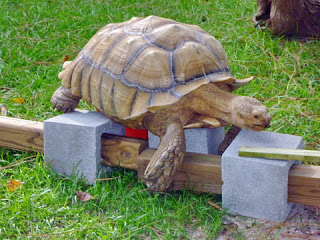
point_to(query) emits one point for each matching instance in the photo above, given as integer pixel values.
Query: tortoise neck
(211, 100)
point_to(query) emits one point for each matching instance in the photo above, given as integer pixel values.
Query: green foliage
(35, 38)
(46, 206)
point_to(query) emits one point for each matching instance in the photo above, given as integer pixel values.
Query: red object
(137, 133)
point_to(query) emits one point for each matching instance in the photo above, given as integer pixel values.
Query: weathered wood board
(121, 151)
(304, 185)
(21, 134)
(280, 153)
(199, 172)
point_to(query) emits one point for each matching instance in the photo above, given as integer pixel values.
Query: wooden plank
(25, 135)
(304, 185)
(198, 172)
(21, 134)
(280, 153)
(121, 151)
(202, 173)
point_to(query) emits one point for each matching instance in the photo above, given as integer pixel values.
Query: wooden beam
(304, 185)
(280, 153)
(21, 134)
(121, 151)
(199, 172)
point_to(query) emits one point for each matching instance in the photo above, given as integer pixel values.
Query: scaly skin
(63, 100)
(166, 159)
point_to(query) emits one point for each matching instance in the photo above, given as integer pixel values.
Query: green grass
(47, 207)
(35, 38)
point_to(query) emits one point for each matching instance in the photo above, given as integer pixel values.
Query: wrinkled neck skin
(211, 101)
(207, 100)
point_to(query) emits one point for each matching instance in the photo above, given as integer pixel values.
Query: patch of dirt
(303, 222)
(196, 233)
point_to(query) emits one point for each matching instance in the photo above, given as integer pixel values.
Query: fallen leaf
(4, 111)
(66, 58)
(83, 196)
(18, 100)
(214, 205)
(5, 88)
(13, 185)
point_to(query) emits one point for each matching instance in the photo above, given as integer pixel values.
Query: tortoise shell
(144, 64)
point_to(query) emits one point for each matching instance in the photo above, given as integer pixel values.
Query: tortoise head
(249, 113)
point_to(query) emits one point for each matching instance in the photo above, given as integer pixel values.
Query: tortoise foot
(63, 100)
(159, 173)
(262, 17)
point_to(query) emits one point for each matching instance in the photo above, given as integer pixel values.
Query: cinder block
(72, 142)
(198, 140)
(257, 187)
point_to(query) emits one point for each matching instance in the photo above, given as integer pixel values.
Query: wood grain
(21, 134)
(281, 153)
(304, 185)
(121, 151)
(199, 172)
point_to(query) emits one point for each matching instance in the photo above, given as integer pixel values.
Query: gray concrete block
(257, 187)
(198, 140)
(72, 142)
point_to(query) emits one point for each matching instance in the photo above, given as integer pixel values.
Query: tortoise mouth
(258, 127)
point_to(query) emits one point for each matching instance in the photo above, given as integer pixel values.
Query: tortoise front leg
(169, 155)
(64, 100)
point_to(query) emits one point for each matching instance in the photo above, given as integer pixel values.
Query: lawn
(35, 39)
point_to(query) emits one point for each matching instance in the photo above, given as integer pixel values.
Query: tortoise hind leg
(64, 100)
(262, 17)
(169, 155)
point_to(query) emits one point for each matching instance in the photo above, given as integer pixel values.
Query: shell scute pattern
(146, 25)
(87, 72)
(107, 91)
(163, 36)
(129, 68)
(199, 57)
(125, 52)
(151, 70)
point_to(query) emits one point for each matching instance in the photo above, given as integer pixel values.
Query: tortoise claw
(63, 100)
(158, 174)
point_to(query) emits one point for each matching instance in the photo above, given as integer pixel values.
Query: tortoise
(289, 17)
(158, 74)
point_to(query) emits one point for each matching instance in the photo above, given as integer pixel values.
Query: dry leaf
(214, 205)
(4, 111)
(13, 185)
(18, 100)
(83, 196)
(5, 88)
